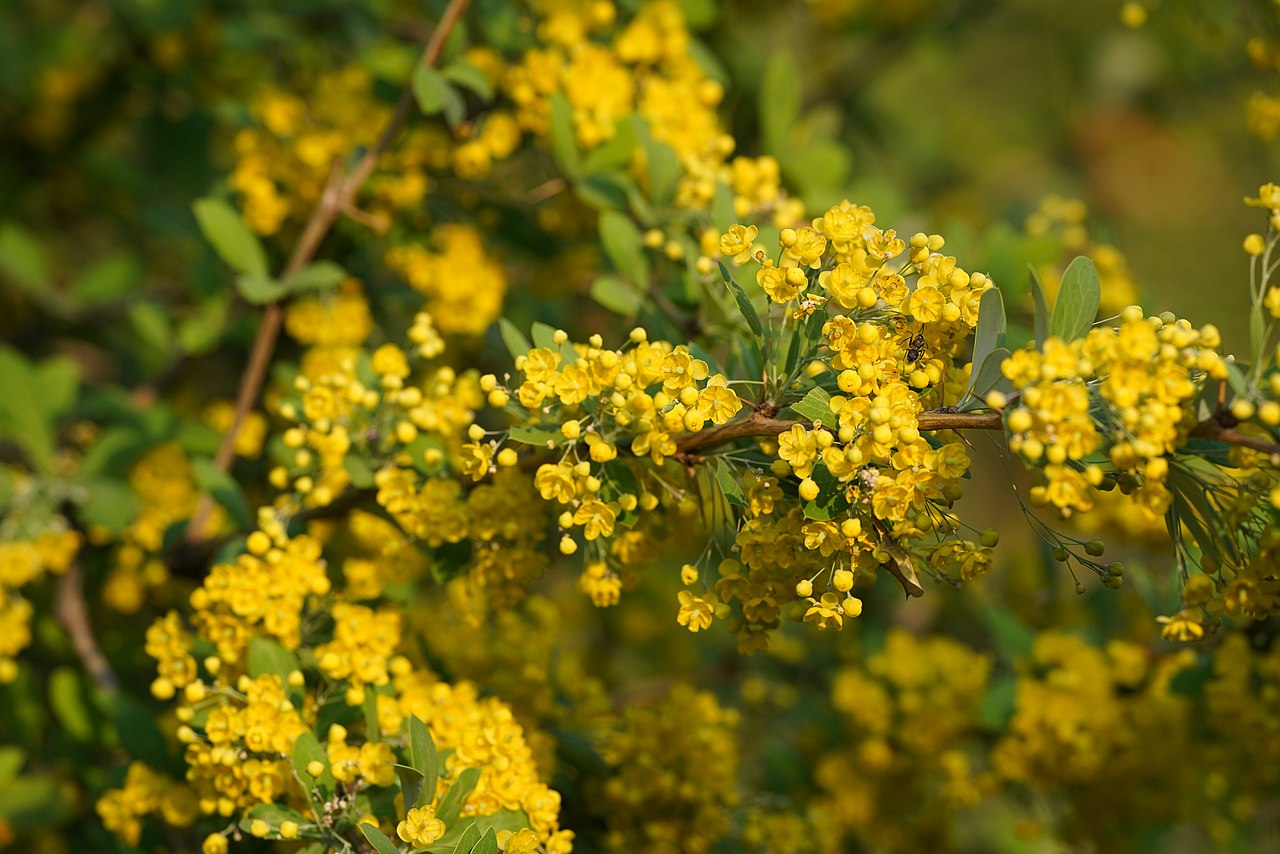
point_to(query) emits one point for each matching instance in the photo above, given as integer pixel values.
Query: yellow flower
(420, 826)
(696, 612)
(737, 242)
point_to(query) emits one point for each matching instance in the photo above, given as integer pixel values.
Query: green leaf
(235, 244)
(564, 142)
(468, 76)
(108, 279)
(274, 816)
(359, 472)
(1078, 300)
(34, 801)
(723, 213)
(307, 749)
(615, 152)
(729, 484)
(1257, 329)
(430, 89)
(111, 504)
(606, 191)
(998, 703)
(517, 343)
(140, 736)
(779, 101)
(544, 336)
(378, 839)
(1013, 640)
(11, 761)
(151, 323)
(70, 704)
(224, 489)
(470, 836)
(23, 416)
(314, 277)
(538, 437)
(23, 259)
(831, 500)
(425, 758)
(616, 295)
(58, 380)
(748, 310)
(451, 803)
(259, 289)
(268, 656)
(988, 378)
(624, 247)
(816, 406)
(1041, 307)
(990, 332)
(488, 843)
(198, 333)
(663, 166)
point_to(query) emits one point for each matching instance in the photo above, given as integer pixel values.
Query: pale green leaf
(230, 237)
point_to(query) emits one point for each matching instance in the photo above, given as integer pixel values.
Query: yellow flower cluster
(463, 284)
(282, 164)
(609, 71)
(363, 641)
(1126, 391)
(332, 325)
(1086, 725)
(145, 791)
(901, 315)
(372, 416)
(241, 756)
(264, 592)
(907, 712)
(1067, 220)
(673, 774)
(23, 561)
(481, 733)
(166, 490)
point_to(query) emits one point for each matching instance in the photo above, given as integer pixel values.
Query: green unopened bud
(1095, 547)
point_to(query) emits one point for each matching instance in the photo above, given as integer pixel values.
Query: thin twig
(74, 616)
(338, 195)
(1212, 428)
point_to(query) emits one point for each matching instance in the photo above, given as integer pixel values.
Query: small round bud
(804, 587)
(1095, 548)
(989, 538)
(568, 545)
(315, 768)
(571, 429)
(808, 489)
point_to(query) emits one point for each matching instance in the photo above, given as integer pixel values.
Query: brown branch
(74, 616)
(1213, 428)
(759, 424)
(338, 196)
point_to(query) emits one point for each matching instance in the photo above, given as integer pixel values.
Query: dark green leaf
(1078, 299)
(378, 839)
(988, 378)
(111, 504)
(998, 703)
(1013, 640)
(606, 191)
(235, 244)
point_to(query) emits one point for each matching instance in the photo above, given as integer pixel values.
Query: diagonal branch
(74, 616)
(338, 195)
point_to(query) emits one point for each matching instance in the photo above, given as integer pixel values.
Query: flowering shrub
(558, 516)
